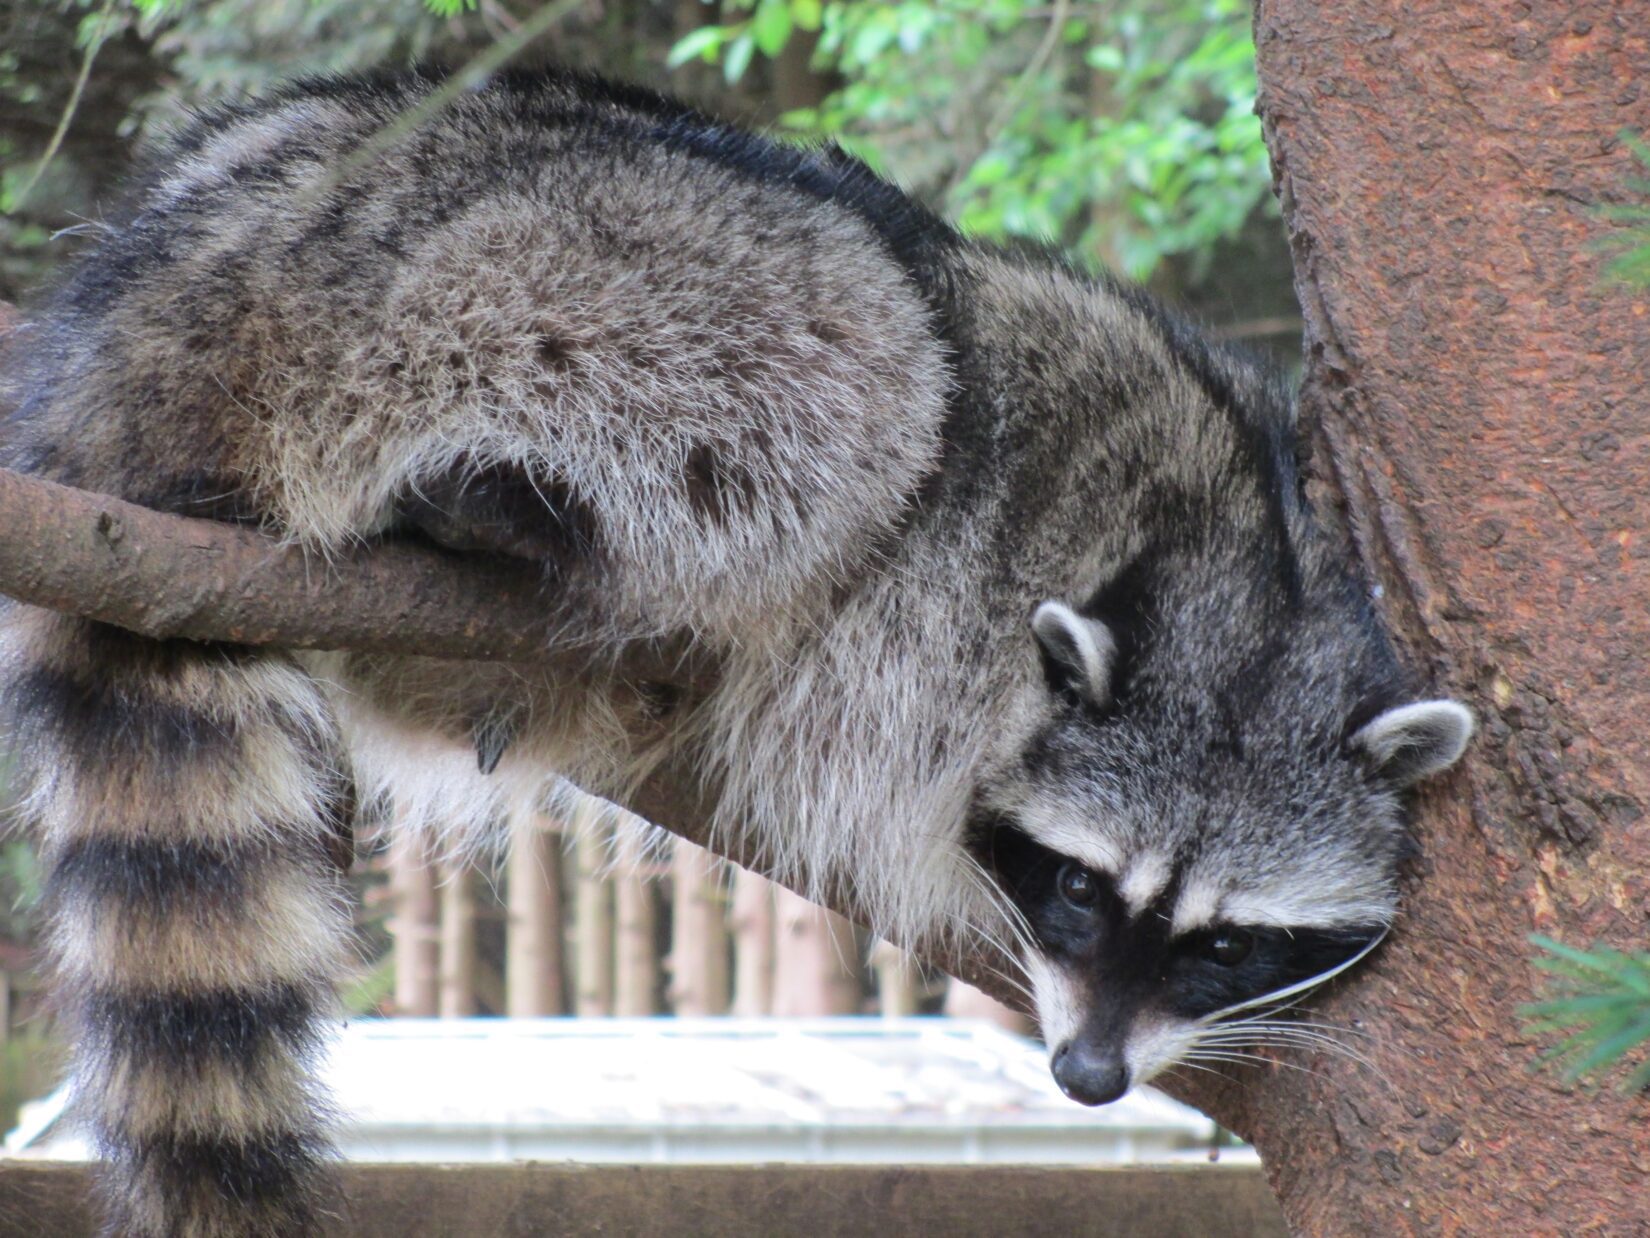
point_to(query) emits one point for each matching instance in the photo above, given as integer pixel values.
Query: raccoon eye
(1078, 886)
(1231, 947)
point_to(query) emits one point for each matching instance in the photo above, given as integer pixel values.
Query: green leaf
(738, 58)
(1104, 57)
(1611, 1050)
(807, 14)
(701, 44)
(1600, 1000)
(771, 27)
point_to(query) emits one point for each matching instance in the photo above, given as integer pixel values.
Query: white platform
(709, 1090)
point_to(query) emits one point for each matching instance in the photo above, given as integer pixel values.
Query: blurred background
(1121, 131)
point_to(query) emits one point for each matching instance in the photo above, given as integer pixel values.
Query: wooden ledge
(735, 1201)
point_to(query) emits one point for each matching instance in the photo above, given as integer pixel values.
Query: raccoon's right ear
(1078, 653)
(1413, 741)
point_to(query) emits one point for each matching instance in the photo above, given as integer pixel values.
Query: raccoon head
(1206, 820)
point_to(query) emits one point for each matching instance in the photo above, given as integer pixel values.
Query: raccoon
(1022, 628)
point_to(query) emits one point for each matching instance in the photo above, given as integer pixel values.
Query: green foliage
(217, 49)
(367, 993)
(1600, 999)
(1631, 264)
(30, 1064)
(21, 885)
(1122, 130)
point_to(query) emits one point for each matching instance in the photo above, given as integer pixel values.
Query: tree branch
(172, 576)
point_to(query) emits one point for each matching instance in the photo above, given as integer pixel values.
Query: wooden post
(964, 1001)
(458, 943)
(593, 917)
(533, 954)
(899, 981)
(413, 926)
(699, 932)
(753, 946)
(816, 960)
(636, 960)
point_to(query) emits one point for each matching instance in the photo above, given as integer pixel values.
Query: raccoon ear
(1412, 741)
(1080, 651)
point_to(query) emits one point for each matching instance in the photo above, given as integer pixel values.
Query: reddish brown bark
(1485, 420)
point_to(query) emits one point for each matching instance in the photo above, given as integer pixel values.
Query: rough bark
(1484, 426)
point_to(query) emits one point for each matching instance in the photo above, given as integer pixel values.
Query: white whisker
(1250, 1059)
(1300, 987)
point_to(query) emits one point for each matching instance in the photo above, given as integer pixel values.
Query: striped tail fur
(194, 815)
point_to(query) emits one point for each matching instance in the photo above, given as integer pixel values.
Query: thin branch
(70, 108)
(168, 576)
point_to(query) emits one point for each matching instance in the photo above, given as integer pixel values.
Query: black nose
(1089, 1075)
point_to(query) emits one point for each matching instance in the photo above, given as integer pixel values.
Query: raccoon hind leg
(506, 510)
(192, 805)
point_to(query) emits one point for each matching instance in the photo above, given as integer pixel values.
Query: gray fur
(753, 399)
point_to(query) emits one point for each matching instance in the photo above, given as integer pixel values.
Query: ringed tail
(194, 812)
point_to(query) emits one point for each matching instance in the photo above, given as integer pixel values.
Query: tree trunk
(534, 963)
(413, 927)
(753, 915)
(458, 942)
(795, 84)
(1480, 393)
(816, 960)
(698, 932)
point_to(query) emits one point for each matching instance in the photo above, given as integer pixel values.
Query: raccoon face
(1189, 846)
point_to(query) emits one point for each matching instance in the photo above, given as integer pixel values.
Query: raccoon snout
(1090, 1075)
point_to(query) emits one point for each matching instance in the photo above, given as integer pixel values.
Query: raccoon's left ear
(1412, 741)
(1079, 651)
